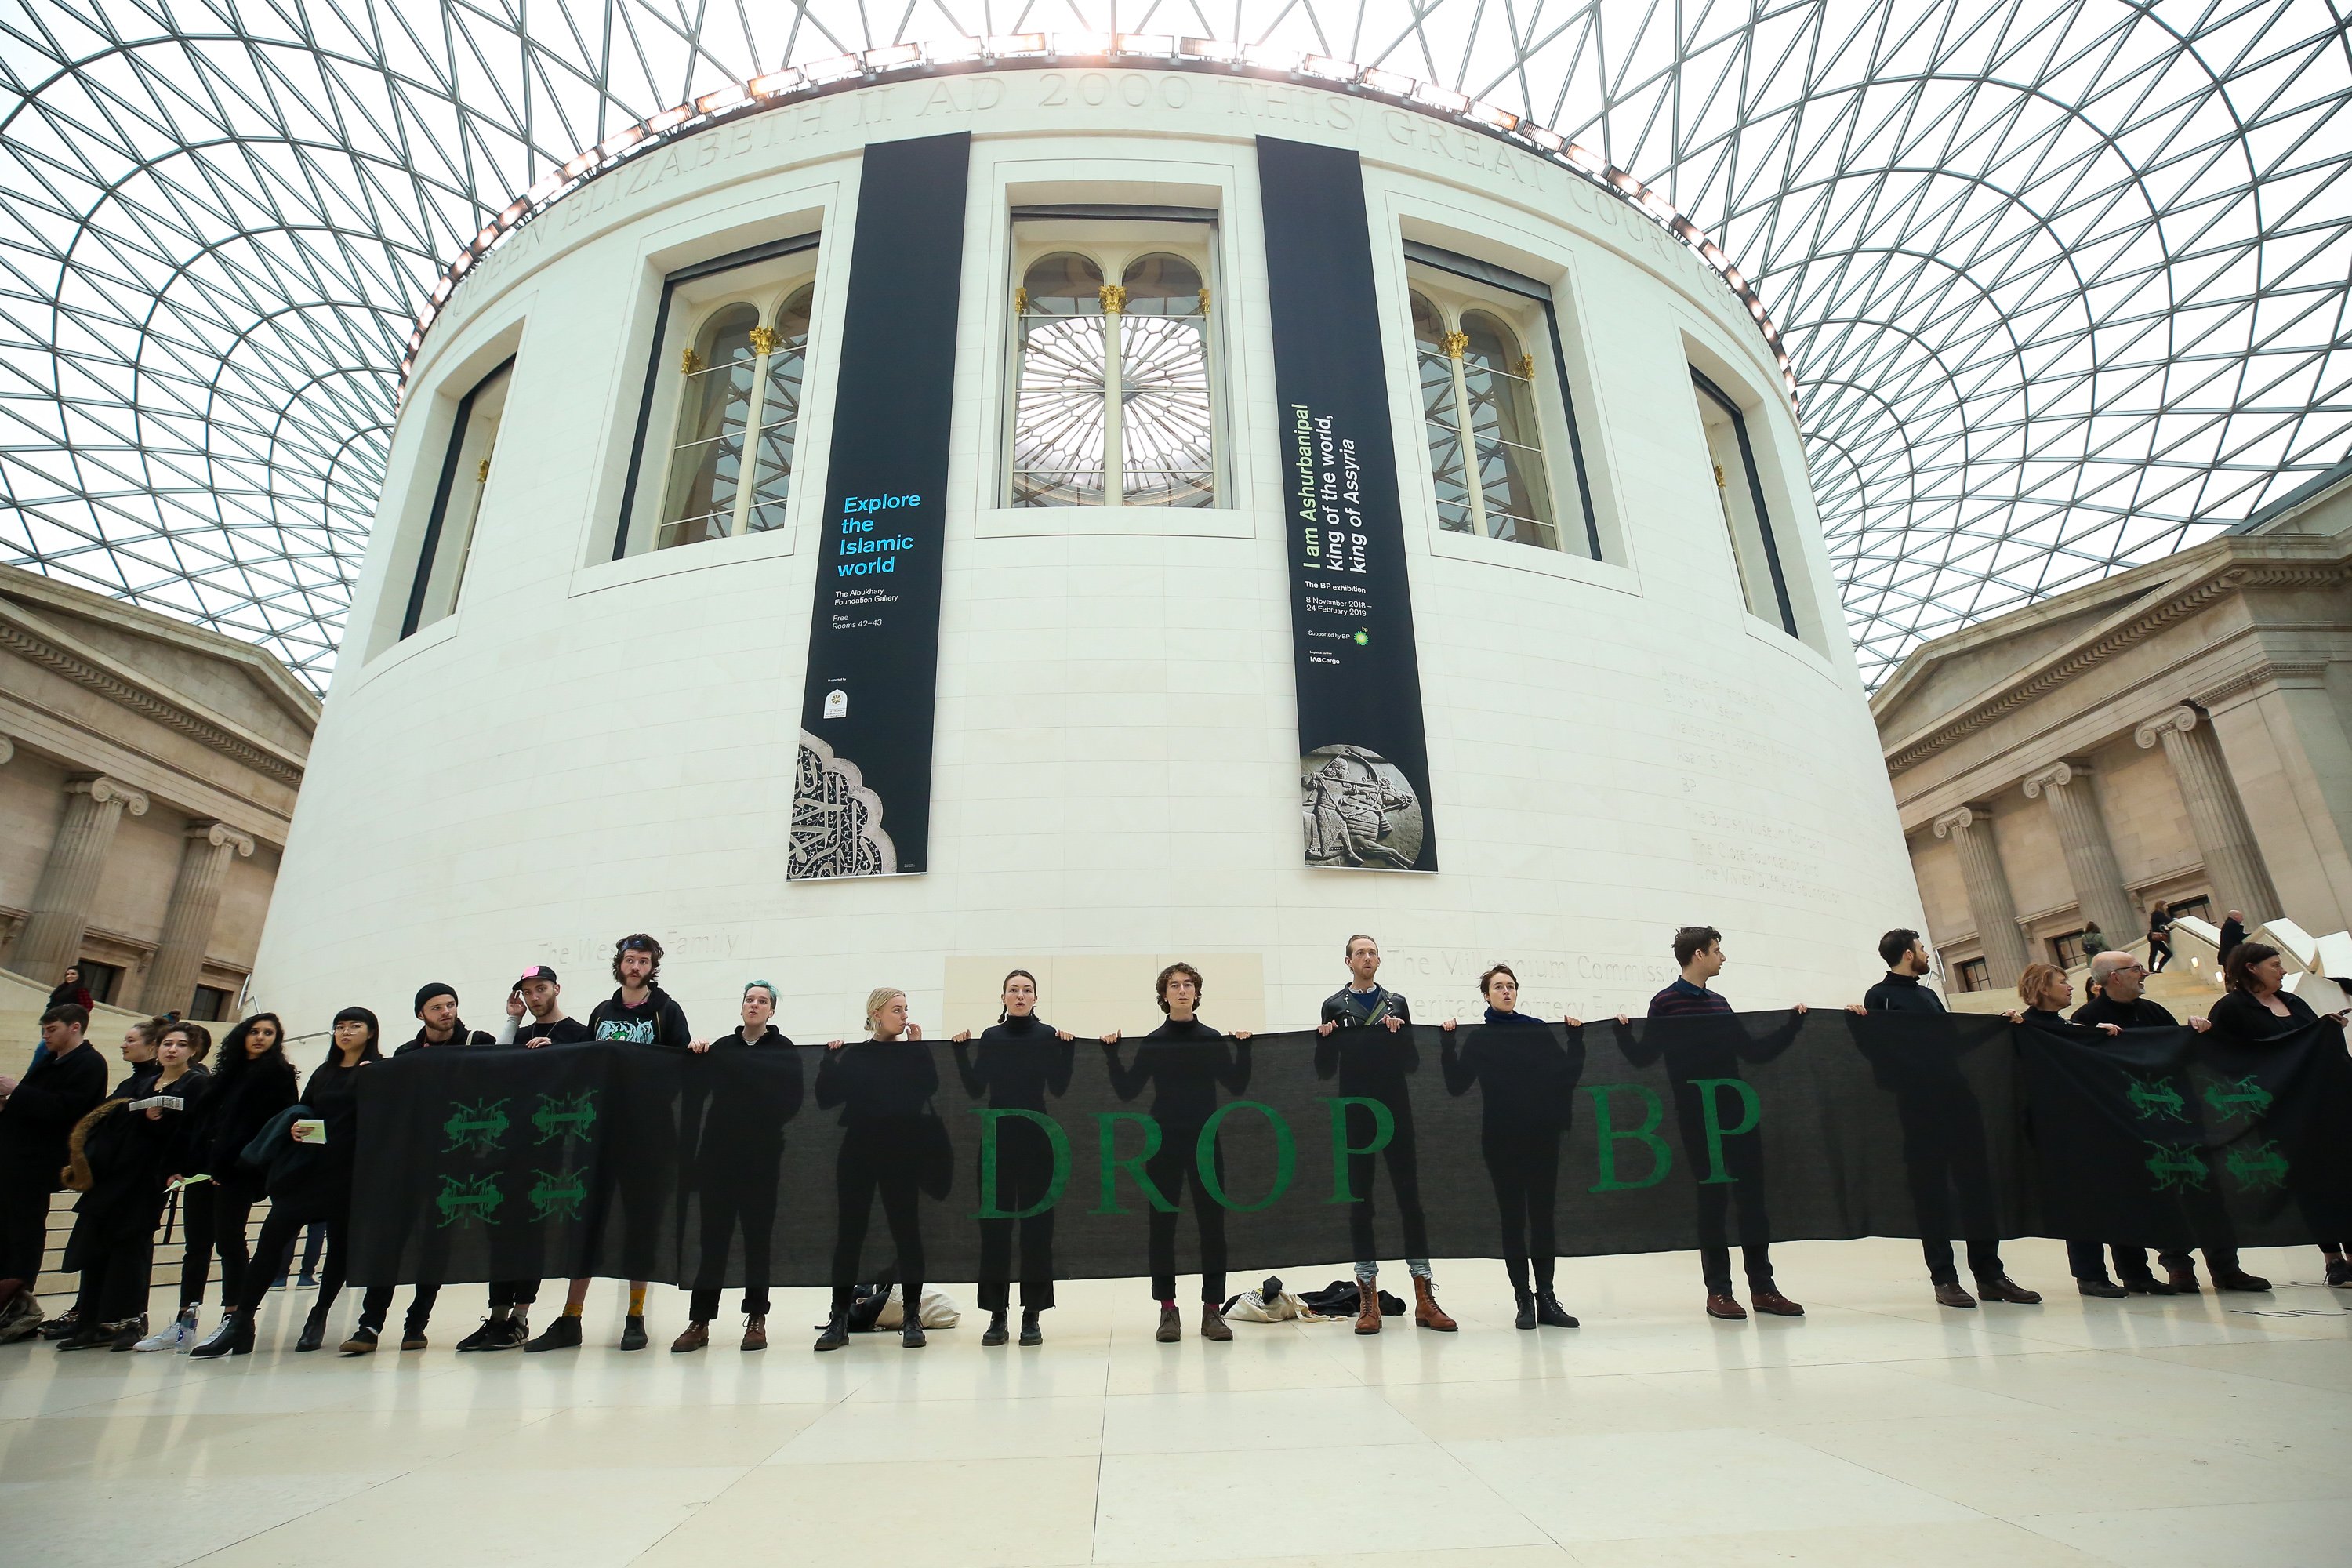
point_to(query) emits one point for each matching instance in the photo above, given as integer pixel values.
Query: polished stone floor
(1880, 1430)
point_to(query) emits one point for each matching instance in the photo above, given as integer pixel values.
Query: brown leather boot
(1427, 1312)
(1368, 1307)
(1172, 1327)
(1213, 1323)
(693, 1338)
(755, 1333)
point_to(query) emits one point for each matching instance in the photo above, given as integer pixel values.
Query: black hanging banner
(862, 790)
(1179, 1154)
(1363, 765)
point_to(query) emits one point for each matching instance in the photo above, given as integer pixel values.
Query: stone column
(1970, 830)
(69, 884)
(2090, 856)
(188, 922)
(2216, 818)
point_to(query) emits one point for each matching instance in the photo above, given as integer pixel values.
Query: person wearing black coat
(1021, 1061)
(889, 1138)
(37, 1118)
(734, 1130)
(1527, 1083)
(1943, 1134)
(1185, 1063)
(179, 1049)
(311, 1186)
(252, 1084)
(2257, 1006)
(115, 1158)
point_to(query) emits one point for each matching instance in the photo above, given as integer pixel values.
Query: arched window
(741, 404)
(1112, 403)
(1485, 442)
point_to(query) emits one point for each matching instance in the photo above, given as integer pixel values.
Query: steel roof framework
(2063, 283)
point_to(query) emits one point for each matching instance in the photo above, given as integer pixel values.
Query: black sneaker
(65, 1325)
(996, 1334)
(563, 1334)
(835, 1335)
(490, 1336)
(98, 1336)
(1031, 1334)
(632, 1333)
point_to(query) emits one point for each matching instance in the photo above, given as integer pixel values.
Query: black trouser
(1944, 1149)
(513, 1293)
(376, 1306)
(275, 1249)
(216, 1214)
(1523, 1162)
(1743, 1162)
(879, 1157)
(314, 1248)
(1403, 1158)
(115, 1272)
(2159, 954)
(24, 1223)
(1024, 1173)
(1171, 1169)
(725, 1208)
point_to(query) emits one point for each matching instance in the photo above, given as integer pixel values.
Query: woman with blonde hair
(889, 1137)
(2046, 992)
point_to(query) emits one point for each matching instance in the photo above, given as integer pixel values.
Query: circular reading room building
(884, 525)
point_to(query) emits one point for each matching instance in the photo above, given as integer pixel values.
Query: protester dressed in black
(309, 1183)
(1020, 1063)
(116, 1156)
(1942, 1127)
(2255, 1006)
(36, 1120)
(1526, 1082)
(891, 1140)
(735, 1128)
(1184, 1063)
(251, 1084)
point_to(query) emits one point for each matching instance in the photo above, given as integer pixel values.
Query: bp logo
(477, 1128)
(565, 1116)
(2156, 1098)
(557, 1194)
(2259, 1169)
(2243, 1096)
(1363, 638)
(2175, 1170)
(462, 1201)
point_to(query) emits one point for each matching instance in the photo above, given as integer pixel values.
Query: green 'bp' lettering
(1286, 1156)
(1343, 1191)
(988, 1118)
(1751, 1112)
(1106, 1134)
(1662, 1158)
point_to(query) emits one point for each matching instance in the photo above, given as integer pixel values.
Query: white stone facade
(589, 746)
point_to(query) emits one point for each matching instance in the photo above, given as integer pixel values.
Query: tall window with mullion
(1494, 408)
(1113, 384)
(726, 385)
(449, 542)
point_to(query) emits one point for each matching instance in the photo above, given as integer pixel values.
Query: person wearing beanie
(438, 1028)
(535, 1019)
(638, 1012)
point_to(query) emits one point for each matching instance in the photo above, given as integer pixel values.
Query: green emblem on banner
(565, 1116)
(2260, 1169)
(2176, 1169)
(462, 1199)
(557, 1194)
(2157, 1098)
(477, 1128)
(2245, 1097)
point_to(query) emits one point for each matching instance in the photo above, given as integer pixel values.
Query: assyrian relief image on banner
(1363, 762)
(862, 787)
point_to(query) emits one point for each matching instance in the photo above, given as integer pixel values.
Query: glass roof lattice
(2062, 286)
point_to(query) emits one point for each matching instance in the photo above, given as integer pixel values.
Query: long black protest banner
(1363, 764)
(633, 1162)
(862, 787)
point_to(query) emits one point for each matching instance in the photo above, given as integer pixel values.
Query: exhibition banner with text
(1071, 1159)
(1363, 762)
(862, 787)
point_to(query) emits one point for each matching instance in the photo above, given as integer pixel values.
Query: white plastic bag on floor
(940, 1310)
(1255, 1306)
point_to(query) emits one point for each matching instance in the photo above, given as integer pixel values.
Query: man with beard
(535, 1019)
(439, 1026)
(1373, 1060)
(638, 1012)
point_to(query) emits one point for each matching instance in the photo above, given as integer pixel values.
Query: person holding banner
(252, 1084)
(891, 1141)
(1527, 1083)
(1185, 1062)
(2257, 1006)
(736, 1130)
(318, 1193)
(1373, 1060)
(1021, 1061)
(1698, 1064)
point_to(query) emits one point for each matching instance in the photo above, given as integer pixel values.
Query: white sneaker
(179, 1334)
